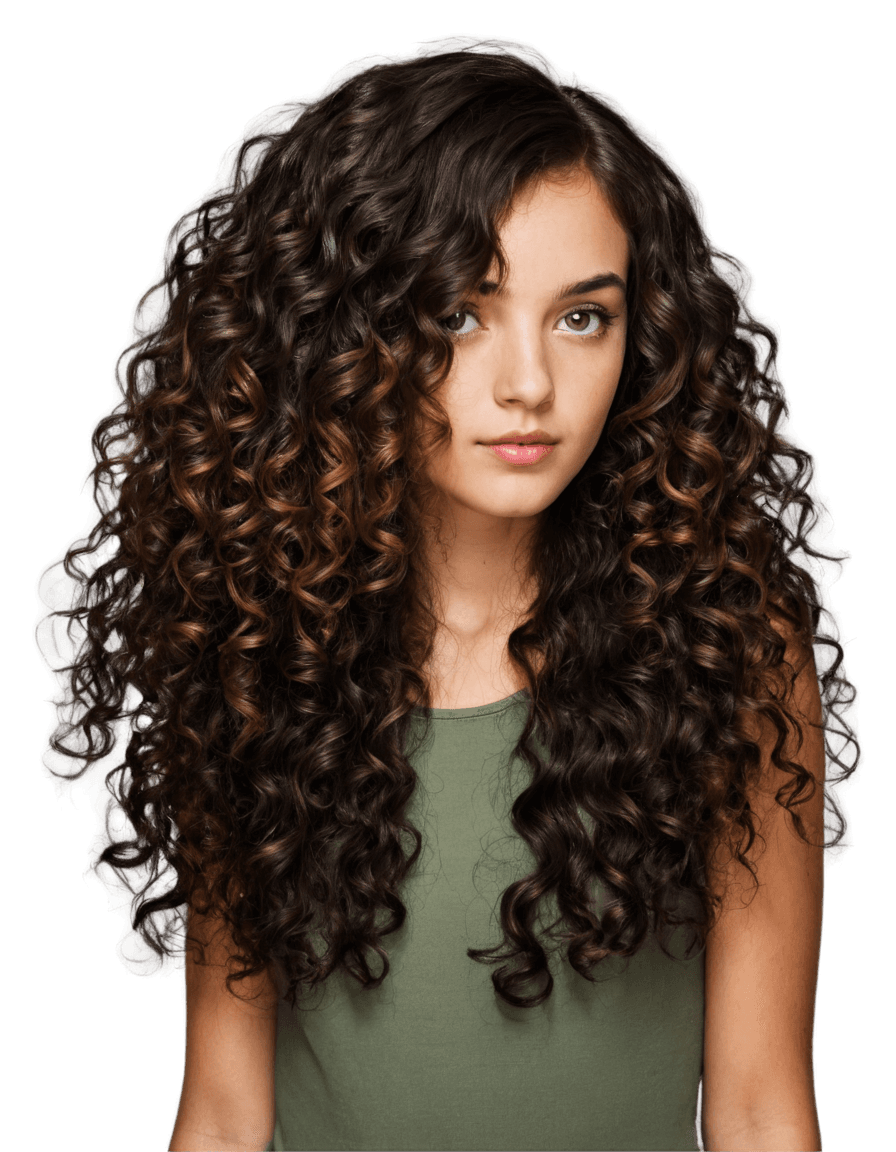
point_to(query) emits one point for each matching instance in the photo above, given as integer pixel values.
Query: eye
(584, 316)
(449, 323)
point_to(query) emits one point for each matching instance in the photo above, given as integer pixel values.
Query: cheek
(610, 369)
(596, 389)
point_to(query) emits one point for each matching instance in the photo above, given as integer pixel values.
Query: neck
(477, 568)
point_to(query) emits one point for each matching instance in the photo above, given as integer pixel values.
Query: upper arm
(762, 954)
(228, 1089)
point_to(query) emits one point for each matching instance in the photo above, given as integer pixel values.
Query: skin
(523, 361)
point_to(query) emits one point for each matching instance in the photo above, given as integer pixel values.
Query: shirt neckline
(464, 713)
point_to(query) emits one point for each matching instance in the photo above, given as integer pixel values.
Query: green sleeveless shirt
(434, 1059)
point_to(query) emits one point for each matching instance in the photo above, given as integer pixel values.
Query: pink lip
(521, 453)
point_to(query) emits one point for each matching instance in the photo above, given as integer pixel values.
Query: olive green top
(434, 1059)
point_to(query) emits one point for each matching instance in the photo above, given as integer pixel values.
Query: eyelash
(605, 314)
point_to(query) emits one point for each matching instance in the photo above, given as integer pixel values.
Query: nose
(522, 365)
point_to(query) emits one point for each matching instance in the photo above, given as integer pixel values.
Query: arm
(227, 1099)
(762, 965)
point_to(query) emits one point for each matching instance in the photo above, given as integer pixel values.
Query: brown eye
(583, 316)
(451, 322)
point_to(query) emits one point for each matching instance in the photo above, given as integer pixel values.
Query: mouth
(516, 453)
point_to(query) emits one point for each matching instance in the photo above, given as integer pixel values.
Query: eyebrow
(592, 284)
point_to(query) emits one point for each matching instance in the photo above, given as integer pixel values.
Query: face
(543, 357)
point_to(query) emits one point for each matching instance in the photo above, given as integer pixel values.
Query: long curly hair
(262, 619)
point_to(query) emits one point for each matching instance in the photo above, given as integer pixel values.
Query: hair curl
(265, 599)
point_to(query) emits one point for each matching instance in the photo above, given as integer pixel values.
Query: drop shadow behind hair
(264, 603)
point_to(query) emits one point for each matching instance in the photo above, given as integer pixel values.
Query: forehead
(563, 229)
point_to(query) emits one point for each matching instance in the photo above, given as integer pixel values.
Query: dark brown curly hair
(262, 618)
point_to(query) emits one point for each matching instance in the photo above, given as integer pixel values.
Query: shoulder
(793, 685)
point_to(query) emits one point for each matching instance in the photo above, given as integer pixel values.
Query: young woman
(476, 722)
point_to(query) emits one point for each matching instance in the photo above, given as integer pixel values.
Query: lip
(539, 436)
(521, 453)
